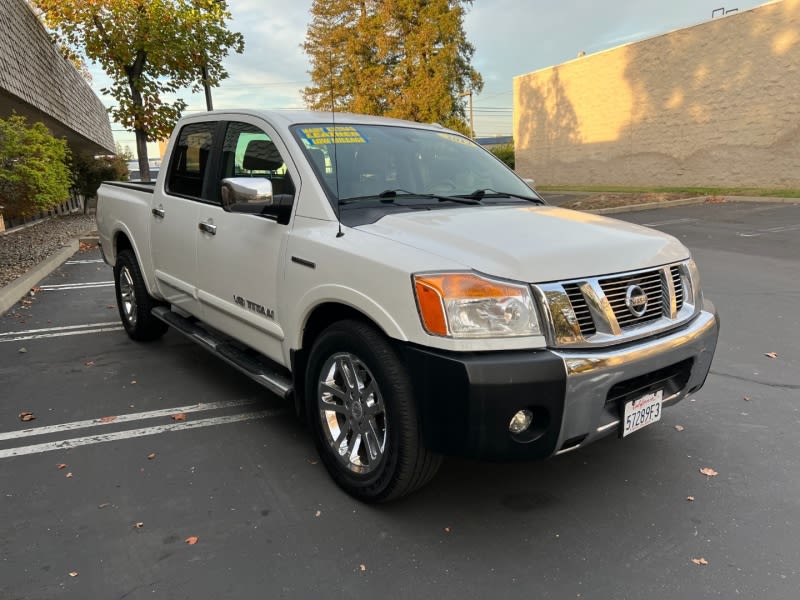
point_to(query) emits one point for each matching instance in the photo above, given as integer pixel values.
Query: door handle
(207, 227)
(158, 212)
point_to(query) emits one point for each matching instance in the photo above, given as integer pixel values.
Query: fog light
(520, 421)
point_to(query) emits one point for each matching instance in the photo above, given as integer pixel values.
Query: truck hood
(535, 244)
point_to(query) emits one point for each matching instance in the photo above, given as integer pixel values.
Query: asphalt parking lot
(100, 493)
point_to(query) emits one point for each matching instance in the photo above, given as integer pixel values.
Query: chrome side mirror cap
(239, 191)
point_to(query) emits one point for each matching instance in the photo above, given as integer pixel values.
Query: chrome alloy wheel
(127, 296)
(352, 413)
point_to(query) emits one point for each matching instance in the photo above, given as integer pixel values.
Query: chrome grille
(616, 289)
(594, 311)
(580, 308)
(677, 283)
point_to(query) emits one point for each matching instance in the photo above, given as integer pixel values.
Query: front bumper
(466, 401)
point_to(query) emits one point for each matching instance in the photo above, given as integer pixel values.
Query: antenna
(340, 233)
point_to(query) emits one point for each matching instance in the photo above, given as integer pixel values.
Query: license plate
(642, 412)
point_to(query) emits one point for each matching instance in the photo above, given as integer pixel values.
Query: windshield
(373, 160)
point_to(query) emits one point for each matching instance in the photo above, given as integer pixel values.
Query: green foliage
(504, 152)
(408, 59)
(147, 48)
(90, 171)
(34, 171)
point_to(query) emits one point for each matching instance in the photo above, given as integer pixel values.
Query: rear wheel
(361, 409)
(134, 302)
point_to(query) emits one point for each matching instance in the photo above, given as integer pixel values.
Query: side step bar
(259, 368)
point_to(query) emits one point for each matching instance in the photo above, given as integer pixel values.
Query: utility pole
(471, 116)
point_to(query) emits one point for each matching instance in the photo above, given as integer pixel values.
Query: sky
(511, 37)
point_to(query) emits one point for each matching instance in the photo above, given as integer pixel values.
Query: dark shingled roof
(38, 82)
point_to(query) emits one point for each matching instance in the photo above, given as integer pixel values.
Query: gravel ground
(23, 249)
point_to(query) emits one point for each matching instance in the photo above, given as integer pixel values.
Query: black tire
(133, 301)
(404, 464)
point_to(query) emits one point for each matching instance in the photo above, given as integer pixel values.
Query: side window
(187, 168)
(249, 152)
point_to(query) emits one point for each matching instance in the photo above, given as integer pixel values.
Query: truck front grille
(602, 311)
(616, 289)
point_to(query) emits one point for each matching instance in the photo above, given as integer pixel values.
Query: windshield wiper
(460, 199)
(477, 194)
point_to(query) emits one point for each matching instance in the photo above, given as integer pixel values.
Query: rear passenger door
(240, 256)
(174, 215)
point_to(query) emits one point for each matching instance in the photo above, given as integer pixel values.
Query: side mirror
(253, 195)
(241, 192)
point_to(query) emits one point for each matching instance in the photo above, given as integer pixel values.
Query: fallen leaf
(23, 350)
(73, 573)
(362, 567)
(700, 561)
(62, 466)
(69, 475)
(690, 498)
(138, 524)
(678, 427)
(107, 419)
(447, 530)
(179, 417)
(708, 471)
(151, 456)
(192, 540)
(26, 416)
(104, 505)
(88, 363)
(771, 354)
(36, 289)
(747, 398)
(133, 382)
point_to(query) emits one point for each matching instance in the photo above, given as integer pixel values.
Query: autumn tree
(148, 48)
(34, 168)
(399, 58)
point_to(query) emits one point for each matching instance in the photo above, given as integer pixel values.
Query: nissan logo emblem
(636, 300)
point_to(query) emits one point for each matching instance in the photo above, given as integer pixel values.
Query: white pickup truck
(408, 291)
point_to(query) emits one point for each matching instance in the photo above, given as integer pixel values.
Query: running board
(256, 366)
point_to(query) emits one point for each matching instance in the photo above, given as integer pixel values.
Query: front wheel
(134, 302)
(360, 405)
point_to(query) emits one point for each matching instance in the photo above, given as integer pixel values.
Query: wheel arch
(317, 319)
(123, 240)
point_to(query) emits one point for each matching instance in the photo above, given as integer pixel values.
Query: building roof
(36, 81)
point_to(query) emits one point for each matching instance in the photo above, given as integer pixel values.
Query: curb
(11, 293)
(690, 201)
(648, 206)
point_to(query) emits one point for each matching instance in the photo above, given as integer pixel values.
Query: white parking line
(20, 336)
(63, 328)
(770, 230)
(84, 262)
(140, 416)
(75, 286)
(671, 222)
(133, 433)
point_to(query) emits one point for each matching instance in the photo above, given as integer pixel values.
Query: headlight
(465, 305)
(691, 282)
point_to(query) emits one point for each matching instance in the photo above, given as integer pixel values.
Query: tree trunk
(141, 152)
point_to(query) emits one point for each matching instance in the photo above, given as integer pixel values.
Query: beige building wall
(717, 104)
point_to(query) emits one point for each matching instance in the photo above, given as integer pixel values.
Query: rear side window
(190, 156)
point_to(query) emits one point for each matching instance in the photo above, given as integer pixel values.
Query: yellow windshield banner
(455, 138)
(319, 136)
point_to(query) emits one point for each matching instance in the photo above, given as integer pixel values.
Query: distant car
(137, 175)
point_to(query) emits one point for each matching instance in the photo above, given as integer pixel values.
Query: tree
(147, 48)
(399, 58)
(89, 171)
(34, 171)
